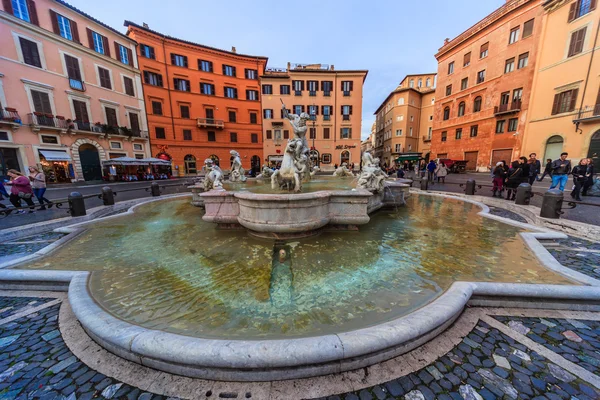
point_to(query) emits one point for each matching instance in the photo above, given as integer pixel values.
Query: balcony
(40, 120)
(508, 108)
(326, 117)
(326, 93)
(297, 92)
(77, 84)
(312, 93)
(587, 114)
(210, 123)
(10, 116)
(345, 117)
(426, 139)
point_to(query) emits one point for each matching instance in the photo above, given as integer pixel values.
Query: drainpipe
(587, 79)
(168, 88)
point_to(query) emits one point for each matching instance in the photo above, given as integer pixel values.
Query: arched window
(345, 157)
(461, 109)
(477, 104)
(190, 164)
(446, 113)
(401, 101)
(554, 146)
(420, 84)
(214, 158)
(412, 83)
(428, 82)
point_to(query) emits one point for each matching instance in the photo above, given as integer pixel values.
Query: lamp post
(314, 122)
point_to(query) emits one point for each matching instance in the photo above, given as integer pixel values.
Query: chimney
(233, 50)
(145, 25)
(289, 65)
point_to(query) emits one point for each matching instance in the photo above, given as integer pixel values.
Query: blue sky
(390, 38)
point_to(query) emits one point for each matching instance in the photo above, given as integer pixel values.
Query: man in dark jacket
(579, 178)
(534, 168)
(547, 170)
(560, 172)
(589, 175)
(524, 165)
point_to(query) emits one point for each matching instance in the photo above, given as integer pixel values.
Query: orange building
(484, 85)
(201, 102)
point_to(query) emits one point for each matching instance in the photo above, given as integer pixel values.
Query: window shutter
(223, 67)
(210, 66)
(351, 89)
(129, 56)
(172, 59)
(322, 110)
(160, 80)
(342, 110)
(185, 61)
(75, 31)
(235, 93)
(145, 76)
(573, 104)
(37, 101)
(54, 19)
(234, 74)
(152, 55)
(572, 11)
(90, 38)
(350, 107)
(556, 103)
(117, 51)
(341, 132)
(106, 48)
(33, 12)
(593, 5)
(8, 6)
(349, 133)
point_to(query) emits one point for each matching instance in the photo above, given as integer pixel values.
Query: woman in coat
(441, 172)
(513, 180)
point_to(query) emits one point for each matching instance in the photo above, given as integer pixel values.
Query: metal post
(470, 187)
(524, 194)
(108, 197)
(76, 204)
(155, 189)
(552, 204)
(424, 184)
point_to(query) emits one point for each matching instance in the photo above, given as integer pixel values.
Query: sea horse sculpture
(372, 176)
(237, 173)
(343, 171)
(214, 175)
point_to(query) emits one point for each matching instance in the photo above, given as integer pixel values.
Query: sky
(390, 38)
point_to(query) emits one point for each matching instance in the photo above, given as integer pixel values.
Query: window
(509, 65)
(429, 131)
(451, 68)
(210, 114)
(412, 118)
(461, 109)
(181, 84)
(160, 132)
(410, 131)
(398, 132)
(481, 76)
(206, 66)
(138, 147)
(123, 54)
(252, 95)
(134, 124)
(398, 148)
(346, 133)
(184, 111)
(464, 83)
(20, 9)
(211, 137)
(483, 50)
(444, 136)
(286, 134)
(111, 116)
(513, 123)
(448, 90)
(232, 116)
(116, 145)
(467, 59)
(128, 86)
(312, 133)
(253, 118)
(298, 109)
(346, 112)
(326, 158)
(48, 139)
(251, 73)
(313, 86)
(400, 118)
(268, 114)
(578, 8)
(326, 87)
(298, 87)
(313, 111)
(207, 89)
(325, 133)
(517, 95)
(233, 137)
(31, 55)
(326, 111)
(420, 83)
(157, 108)
(153, 79)
(230, 92)
(514, 35)
(269, 134)
(267, 89)
(477, 104)
(228, 70)
(523, 60)
(99, 41)
(500, 126)
(254, 138)
(401, 101)
(64, 27)
(577, 39)
(459, 133)
(446, 113)
(528, 28)
(505, 98)
(347, 87)
(284, 89)
(147, 51)
(104, 76)
(474, 129)
(565, 101)
(81, 114)
(411, 83)
(187, 134)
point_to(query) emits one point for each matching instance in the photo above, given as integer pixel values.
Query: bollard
(524, 194)
(76, 204)
(108, 197)
(470, 187)
(424, 184)
(552, 204)
(155, 189)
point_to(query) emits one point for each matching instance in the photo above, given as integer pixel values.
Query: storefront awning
(55, 155)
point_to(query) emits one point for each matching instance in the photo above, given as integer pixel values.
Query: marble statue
(315, 170)
(266, 172)
(372, 176)
(237, 173)
(343, 171)
(214, 176)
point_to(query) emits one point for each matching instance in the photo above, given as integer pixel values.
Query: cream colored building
(565, 104)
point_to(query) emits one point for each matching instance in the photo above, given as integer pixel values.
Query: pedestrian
(560, 172)
(589, 174)
(431, 167)
(524, 165)
(547, 170)
(514, 179)
(400, 173)
(579, 178)
(38, 183)
(535, 168)
(441, 172)
(423, 169)
(498, 180)
(20, 188)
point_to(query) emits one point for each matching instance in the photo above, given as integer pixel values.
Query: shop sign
(344, 147)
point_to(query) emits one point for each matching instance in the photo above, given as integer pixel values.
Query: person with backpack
(498, 179)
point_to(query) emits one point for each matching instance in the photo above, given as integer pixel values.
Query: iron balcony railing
(77, 84)
(326, 117)
(588, 113)
(513, 107)
(47, 120)
(210, 123)
(10, 115)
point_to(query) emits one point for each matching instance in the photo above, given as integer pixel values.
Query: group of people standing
(523, 170)
(24, 188)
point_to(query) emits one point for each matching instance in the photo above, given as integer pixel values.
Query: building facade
(202, 102)
(332, 97)
(404, 121)
(70, 92)
(565, 105)
(484, 86)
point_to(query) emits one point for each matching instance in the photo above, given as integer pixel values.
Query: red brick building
(484, 85)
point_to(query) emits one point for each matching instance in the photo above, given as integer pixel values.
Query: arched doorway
(214, 159)
(315, 158)
(554, 146)
(594, 151)
(90, 162)
(345, 157)
(255, 163)
(190, 164)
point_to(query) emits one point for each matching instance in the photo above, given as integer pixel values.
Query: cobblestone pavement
(578, 254)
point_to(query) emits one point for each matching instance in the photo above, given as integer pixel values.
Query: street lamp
(313, 116)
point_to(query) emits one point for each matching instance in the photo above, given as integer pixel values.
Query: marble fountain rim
(280, 359)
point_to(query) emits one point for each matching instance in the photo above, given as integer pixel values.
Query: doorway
(255, 163)
(501, 155)
(90, 162)
(471, 158)
(554, 146)
(190, 164)
(594, 151)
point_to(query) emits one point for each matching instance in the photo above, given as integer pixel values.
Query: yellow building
(332, 97)
(564, 113)
(404, 120)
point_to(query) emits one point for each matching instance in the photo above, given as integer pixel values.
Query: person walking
(441, 172)
(560, 172)
(589, 177)
(38, 183)
(514, 179)
(431, 167)
(547, 170)
(535, 167)
(20, 188)
(579, 178)
(498, 180)
(524, 165)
